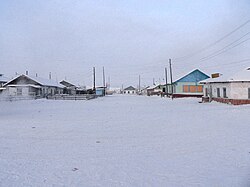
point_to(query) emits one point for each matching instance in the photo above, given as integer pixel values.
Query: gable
(194, 76)
(130, 88)
(22, 80)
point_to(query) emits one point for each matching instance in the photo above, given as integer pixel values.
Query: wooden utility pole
(139, 84)
(94, 79)
(171, 76)
(104, 83)
(166, 77)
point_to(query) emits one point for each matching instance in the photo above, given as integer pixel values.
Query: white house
(130, 90)
(234, 89)
(35, 87)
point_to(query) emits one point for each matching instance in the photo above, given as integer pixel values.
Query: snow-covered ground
(124, 141)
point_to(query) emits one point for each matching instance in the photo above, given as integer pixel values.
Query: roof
(194, 76)
(242, 76)
(67, 83)
(39, 80)
(130, 88)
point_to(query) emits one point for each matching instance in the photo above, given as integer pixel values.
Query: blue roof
(194, 76)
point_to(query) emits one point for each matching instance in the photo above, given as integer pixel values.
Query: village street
(124, 141)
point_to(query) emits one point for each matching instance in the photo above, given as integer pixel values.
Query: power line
(225, 47)
(212, 44)
(208, 58)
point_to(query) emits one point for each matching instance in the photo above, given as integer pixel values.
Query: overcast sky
(129, 37)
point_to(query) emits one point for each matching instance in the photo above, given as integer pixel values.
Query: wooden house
(35, 87)
(69, 88)
(232, 90)
(188, 85)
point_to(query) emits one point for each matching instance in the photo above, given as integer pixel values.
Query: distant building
(35, 87)
(130, 90)
(69, 88)
(232, 90)
(188, 85)
(100, 91)
(154, 90)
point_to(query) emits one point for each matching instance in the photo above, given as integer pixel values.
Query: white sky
(69, 37)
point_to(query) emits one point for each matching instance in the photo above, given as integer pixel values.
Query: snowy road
(124, 141)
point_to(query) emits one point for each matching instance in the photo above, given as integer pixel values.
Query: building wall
(234, 90)
(179, 88)
(240, 90)
(129, 92)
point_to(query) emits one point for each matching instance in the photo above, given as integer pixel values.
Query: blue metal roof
(194, 76)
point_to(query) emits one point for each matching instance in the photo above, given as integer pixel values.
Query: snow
(243, 75)
(124, 140)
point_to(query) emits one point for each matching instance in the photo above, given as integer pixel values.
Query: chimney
(50, 75)
(36, 75)
(27, 73)
(215, 75)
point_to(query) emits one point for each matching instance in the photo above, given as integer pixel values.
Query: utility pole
(103, 77)
(166, 77)
(139, 84)
(171, 77)
(94, 79)
(109, 82)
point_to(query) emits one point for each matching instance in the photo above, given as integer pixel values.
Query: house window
(200, 89)
(248, 93)
(185, 88)
(218, 92)
(19, 91)
(225, 92)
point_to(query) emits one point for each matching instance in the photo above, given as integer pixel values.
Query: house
(130, 90)
(232, 90)
(154, 90)
(188, 85)
(35, 87)
(69, 88)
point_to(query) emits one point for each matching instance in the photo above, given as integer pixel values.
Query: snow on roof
(67, 83)
(130, 88)
(152, 87)
(238, 77)
(45, 82)
(39, 80)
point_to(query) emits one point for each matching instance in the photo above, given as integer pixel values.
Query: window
(200, 89)
(19, 91)
(185, 88)
(248, 93)
(225, 92)
(218, 92)
(193, 89)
